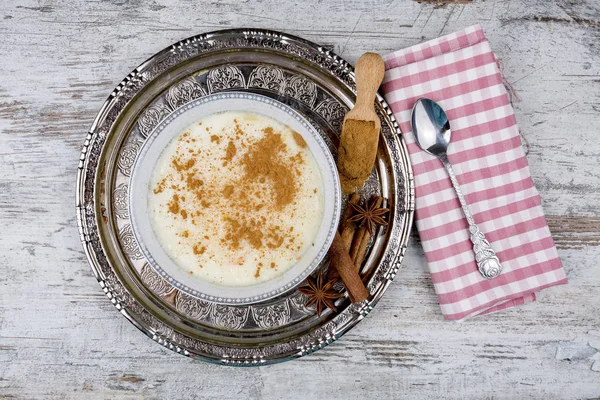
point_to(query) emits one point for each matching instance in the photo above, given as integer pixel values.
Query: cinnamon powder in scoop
(356, 153)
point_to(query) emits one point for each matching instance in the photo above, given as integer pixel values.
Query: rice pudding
(236, 199)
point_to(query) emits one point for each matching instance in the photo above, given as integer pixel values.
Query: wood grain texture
(60, 338)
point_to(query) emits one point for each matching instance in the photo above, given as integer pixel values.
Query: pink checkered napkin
(460, 72)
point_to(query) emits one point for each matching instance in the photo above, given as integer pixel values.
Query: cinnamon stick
(361, 239)
(354, 199)
(341, 260)
(357, 240)
(346, 229)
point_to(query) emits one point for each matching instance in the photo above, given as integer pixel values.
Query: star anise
(320, 293)
(370, 216)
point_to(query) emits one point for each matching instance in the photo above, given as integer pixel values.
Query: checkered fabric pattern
(460, 72)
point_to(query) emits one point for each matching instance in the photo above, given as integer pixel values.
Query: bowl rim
(237, 295)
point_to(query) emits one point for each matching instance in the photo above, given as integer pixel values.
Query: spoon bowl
(431, 127)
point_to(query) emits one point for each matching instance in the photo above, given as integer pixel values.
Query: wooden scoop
(360, 132)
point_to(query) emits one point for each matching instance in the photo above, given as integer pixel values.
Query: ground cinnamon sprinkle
(238, 130)
(179, 166)
(228, 191)
(298, 159)
(174, 204)
(199, 249)
(299, 140)
(274, 240)
(161, 185)
(242, 229)
(230, 152)
(264, 160)
(193, 183)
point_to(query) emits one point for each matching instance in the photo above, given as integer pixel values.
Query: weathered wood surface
(61, 338)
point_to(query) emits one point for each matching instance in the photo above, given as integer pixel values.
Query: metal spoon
(431, 128)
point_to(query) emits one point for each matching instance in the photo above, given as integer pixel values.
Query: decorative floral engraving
(192, 307)
(129, 243)
(372, 186)
(272, 315)
(117, 290)
(160, 330)
(329, 141)
(487, 262)
(128, 154)
(167, 61)
(184, 92)
(120, 198)
(353, 311)
(316, 339)
(222, 78)
(152, 117)
(115, 110)
(298, 301)
(301, 89)
(385, 128)
(274, 350)
(266, 77)
(229, 317)
(102, 186)
(154, 282)
(334, 112)
(112, 284)
(376, 280)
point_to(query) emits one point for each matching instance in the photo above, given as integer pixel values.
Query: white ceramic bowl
(170, 128)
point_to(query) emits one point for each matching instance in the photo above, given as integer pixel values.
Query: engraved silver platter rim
(319, 84)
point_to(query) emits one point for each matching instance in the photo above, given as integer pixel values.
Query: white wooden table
(61, 338)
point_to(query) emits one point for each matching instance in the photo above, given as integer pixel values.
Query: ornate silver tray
(309, 78)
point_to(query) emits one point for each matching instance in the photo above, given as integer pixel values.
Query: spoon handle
(487, 262)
